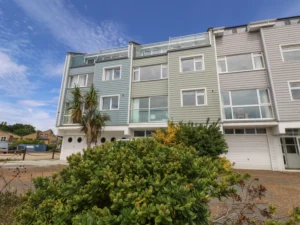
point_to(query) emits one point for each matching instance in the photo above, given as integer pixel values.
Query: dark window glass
(228, 131)
(250, 131)
(261, 131)
(139, 133)
(79, 139)
(239, 131)
(113, 139)
(103, 140)
(70, 139)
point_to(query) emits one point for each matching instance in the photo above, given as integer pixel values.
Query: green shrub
(207, 138)
(136, 182)
(8, 201)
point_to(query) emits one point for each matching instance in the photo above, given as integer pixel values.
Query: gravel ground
(283, 191)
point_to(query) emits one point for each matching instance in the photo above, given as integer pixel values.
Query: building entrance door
(290, 150)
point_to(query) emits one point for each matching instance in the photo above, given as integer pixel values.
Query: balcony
(104, 55)
(176, 43)
(148, 116)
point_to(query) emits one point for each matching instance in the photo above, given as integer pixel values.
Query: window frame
(253, 54)
(194, 63)
(149, 108)
(253, 105)
(78, 75)
(282, 51)
(196, 95)
(145, 134)
(110, 102)
(245, 133)
(138, 69)
(293, 88)
(113, 75)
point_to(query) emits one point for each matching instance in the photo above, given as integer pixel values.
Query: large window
(193, 97)
(110, 102)
(67, 114)
(150, 109)
(290, 52)
(247, 104)
(112, 73)
(82, 80)
(155, 72)
(295, 90)
(189, 64)
(246, 131)
(245, 62)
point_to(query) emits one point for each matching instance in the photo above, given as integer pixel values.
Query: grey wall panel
(149, 88)
(282, 72)
(150, 61)
(81, 70)
(197, 79)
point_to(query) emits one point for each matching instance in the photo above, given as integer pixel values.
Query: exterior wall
(242, 43)
(282, 72)
(239, 43)
(147, 61)
(30, 136)
(188, 80)
(9, 136)
(81, 70)
(149, 88)
(115, 87)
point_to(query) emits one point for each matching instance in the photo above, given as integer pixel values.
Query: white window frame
(110, 102)
(112, 68)
(293, 88)
(257, 54)
(138, 69)
(3, 138)
(239, 106)
(192, 57)
(78, 75)
(196, 95)
(293, 50)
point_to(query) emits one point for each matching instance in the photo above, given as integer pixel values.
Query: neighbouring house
(47, 136)
(8, 137)
(246, 75)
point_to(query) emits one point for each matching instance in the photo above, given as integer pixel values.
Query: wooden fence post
(24, 153)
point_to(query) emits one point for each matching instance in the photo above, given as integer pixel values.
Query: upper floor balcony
(175, 43)
(103, 55)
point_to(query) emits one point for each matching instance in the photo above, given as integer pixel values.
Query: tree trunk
(89, 136)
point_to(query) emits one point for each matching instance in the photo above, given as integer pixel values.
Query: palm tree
(85, 111)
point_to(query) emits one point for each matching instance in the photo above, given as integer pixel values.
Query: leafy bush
(207, 139)
(18, 142)
(136, 182)
(8, 201)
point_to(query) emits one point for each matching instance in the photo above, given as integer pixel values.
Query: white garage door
(249, 151)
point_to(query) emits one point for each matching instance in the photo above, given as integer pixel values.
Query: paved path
(33, 163)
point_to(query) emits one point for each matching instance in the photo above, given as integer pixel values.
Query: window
(150, 109)
(67, 114)
(189, 64)
(143, 133)
(246, 104)
(290, 52)
(112, 73)
(193, 97)
(46, 135)
(292, 132)
(113, 139)
(245, 62)
(70, 139)
(103, 140)
(90, 61)
(82, 80)
(295, 90)
(155, 72)
(110, 102)
(3, 139)
(246, 131)
(79, 140)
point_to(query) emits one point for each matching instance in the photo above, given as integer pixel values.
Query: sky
(35, 36)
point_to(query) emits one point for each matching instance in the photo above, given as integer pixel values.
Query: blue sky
(36, 34)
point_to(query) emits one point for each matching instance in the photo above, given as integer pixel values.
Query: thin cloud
(32, 103)
(72, 29)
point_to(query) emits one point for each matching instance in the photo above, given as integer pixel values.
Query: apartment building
(248, 76)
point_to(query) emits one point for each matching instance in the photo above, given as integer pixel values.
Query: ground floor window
(246, 131)
(3, 139)
(143, 133)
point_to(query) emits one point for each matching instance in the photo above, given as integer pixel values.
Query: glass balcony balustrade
(149, 115)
